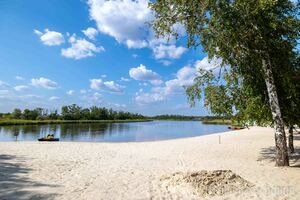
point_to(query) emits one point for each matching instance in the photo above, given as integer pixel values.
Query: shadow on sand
(13, 181)
(269, 155)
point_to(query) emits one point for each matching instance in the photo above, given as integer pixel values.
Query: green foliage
(243, 33)
(175, 117)
(16, 114)
(218, 121)
(71, 112)
(6, 122)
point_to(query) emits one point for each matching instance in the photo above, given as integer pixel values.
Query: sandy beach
(79, 170)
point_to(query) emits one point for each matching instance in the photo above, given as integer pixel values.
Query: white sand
(74, 170)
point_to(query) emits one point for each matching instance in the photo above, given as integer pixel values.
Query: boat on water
(235, 128)
(49, 138)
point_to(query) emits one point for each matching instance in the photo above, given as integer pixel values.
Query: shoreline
(15, 122)
(43, 122)
(102, 170)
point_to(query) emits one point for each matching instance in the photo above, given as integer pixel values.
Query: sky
(93, 52)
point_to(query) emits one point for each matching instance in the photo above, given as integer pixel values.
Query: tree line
(75, 112)
(71, 112)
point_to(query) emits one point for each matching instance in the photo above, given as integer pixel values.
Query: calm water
(116, 132)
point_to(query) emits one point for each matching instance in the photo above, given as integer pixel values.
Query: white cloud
(184, 77)
(113, 87)
(4, 85)
(71, 92)
(21, 87)
(141, 73)
(44, 83)
(168, 51)
(80, 48)
(20, 78)
(50, 38)
(136, 44)
(126, 21)
(125, 79)
(96, 84)
(146, 98)
(109, 86)
(90, 32)
(54, 98)
(103, 76)
(30, 96)
(206, 64)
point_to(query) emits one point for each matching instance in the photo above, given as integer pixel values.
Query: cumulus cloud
(80, 48)
(44, 83)
(126, 21)
(141, 73)
(71, 92)
(90, 32)
(168, 51)
(146, 98)
(184, 77)
(54, 98)
(109, 86)
(50, 38)
(21, 87)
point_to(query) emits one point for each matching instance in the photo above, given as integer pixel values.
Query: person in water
(50, 136)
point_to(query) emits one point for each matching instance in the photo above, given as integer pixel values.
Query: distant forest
(75, 112)
(71, 112)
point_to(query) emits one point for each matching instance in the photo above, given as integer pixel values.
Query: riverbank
(38, 122)
(78, 170)
(217, 121)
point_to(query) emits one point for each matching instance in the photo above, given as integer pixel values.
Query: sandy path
(70, 170)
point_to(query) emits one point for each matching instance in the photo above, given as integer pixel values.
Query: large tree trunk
(282, 158)
(291, 140)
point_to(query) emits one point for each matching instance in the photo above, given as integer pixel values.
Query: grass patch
(218, 121)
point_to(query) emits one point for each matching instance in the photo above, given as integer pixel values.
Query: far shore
(38, 122)
(85, 170)
(8, 122)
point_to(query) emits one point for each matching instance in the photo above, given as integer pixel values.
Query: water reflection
(115, 132)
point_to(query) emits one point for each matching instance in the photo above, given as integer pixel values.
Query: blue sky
(94, 52)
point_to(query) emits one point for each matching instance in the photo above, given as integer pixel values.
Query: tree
(247, 35)
(30, 114)
(17, 113)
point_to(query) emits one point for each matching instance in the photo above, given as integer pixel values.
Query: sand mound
(208, 183)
